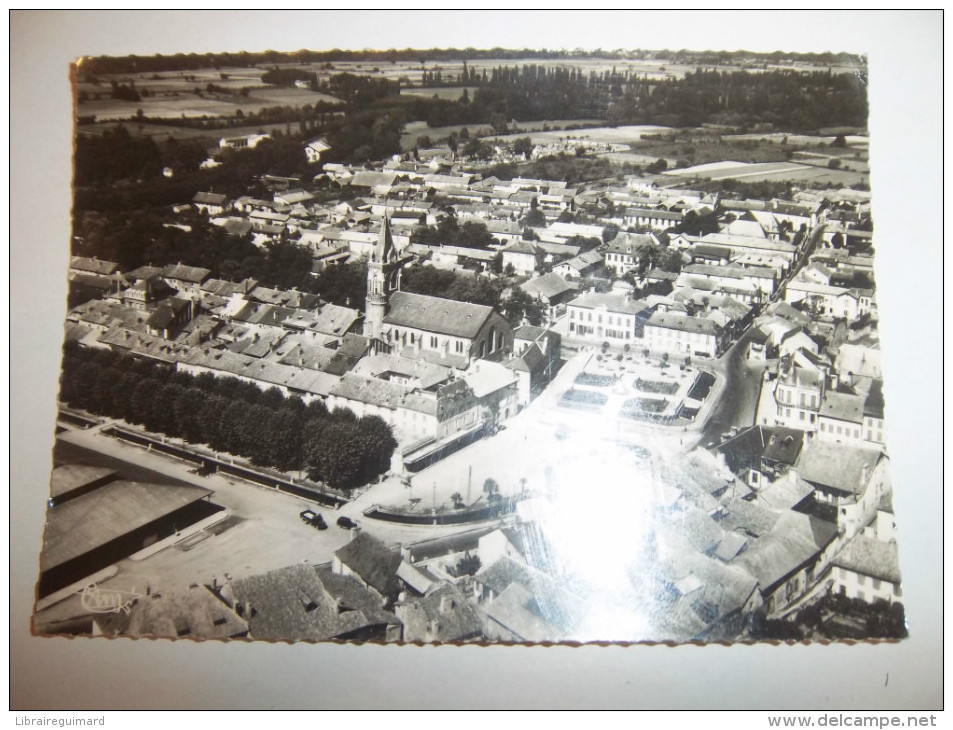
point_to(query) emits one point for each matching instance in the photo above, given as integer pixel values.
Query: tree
(523, 146)
(610, 232)
(660, 165)
(491, 487)
(535, 218)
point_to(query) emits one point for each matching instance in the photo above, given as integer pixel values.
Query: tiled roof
(303, 603)
(842, 407)
(194, 613)
(870, 557)
(433, 314)
(191, 274)
(92, 265)
(369, 558)
(839, 466)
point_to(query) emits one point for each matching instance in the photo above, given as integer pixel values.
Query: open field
(413, 130)
(798, 140)
(178, 105)
(162, 132)
(411, 72)
(771, 172)
(173, 95)
(452, 92)
(608, 135)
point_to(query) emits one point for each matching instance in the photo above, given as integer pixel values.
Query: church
(438, 330)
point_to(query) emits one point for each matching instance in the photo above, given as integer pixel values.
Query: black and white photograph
(501, 345)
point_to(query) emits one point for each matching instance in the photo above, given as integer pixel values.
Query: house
(849, 482)
(379, 183)
(195, 613)
(535, 360)
(654, 219)
(185, 279)
(583, 265)
(169, 317)
(762, 454)
(683, 335)
(793, 397)
(874, 414)
(441, 616)
(867, 569)
(211, 203)
(146, 293)
(249, 141)
(826, 300)
(788, 559)
(622, 252)
(315, 148)
(301, 602)
(841, 418)
(613, 318)
(370, 563)
(553, 291)
(523, 256)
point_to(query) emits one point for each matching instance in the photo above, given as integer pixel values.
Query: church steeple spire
(383, 277)
(384, 251)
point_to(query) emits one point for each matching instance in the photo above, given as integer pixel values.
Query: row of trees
(230, 416)
(94, 65)
(787, 100)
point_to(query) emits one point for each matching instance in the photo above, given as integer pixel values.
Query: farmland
(442, 92)
(814, 175)
(205, 93)
(414, 130)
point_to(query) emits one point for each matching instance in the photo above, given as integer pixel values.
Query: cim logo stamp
(106, 600)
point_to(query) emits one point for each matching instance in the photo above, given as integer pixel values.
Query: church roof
(433, 314)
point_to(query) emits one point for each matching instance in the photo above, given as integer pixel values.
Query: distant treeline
(230, 415)
(192, 61)
(786, 100)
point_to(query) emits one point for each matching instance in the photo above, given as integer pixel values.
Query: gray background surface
(905, 53)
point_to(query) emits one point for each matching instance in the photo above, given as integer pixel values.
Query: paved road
(738, 403)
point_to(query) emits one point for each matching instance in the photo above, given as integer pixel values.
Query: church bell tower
(383, 278)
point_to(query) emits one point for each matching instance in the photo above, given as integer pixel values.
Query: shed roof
(91, 520)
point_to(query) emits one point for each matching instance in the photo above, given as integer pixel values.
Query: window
(861, 580)
(875, 582)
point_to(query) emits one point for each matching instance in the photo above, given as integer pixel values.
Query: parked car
(347, 523)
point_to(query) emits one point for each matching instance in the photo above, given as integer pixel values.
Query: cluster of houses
(797, 503)
(752, 530)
